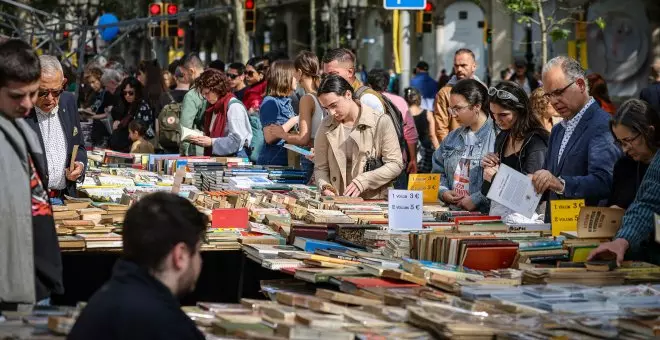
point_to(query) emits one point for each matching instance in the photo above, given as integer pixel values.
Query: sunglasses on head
(54, 93)
(129, 93)
(501, 94)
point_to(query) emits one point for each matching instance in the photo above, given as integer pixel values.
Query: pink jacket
(409, 129)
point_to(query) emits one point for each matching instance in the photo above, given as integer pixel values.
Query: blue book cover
(311, 245)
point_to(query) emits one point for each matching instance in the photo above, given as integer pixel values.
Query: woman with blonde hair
(542, 108)
(310, 111)
(276, 109)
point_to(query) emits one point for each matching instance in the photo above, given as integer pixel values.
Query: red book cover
(290, 271)
(230, 218)
(489, 258)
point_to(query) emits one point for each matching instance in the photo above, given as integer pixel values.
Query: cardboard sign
(230, 218)
(178, 179)
(429, 184)
(599, 222)
(405, 209)
(565, 214)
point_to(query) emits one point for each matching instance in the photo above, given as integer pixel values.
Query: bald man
(56, 121)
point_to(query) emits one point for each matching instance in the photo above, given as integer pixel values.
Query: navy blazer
(587, 164)
(70, 120)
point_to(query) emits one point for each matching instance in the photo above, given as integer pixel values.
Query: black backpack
(397, 119)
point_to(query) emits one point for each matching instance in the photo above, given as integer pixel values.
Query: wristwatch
(563, 186)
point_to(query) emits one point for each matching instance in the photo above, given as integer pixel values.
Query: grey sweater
(16, 245)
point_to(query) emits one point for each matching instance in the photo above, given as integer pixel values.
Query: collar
(566, 122)
(366, 119)
(52, 112)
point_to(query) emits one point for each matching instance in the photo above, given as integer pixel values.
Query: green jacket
(192, 113)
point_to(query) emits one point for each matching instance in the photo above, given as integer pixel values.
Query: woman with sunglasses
(255, 75)
(356, 148)
(634, 133)
(636, 127)
(133, 107)
(521, 144)
(458, 159)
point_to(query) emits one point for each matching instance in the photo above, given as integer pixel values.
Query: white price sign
(405, 209)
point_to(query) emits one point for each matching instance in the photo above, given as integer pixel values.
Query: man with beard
(464, 67)
(30, 267)
(161, 262)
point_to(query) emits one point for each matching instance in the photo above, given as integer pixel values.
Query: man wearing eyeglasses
(579, 162)
(56, 121)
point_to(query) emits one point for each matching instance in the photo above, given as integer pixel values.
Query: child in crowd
(136, 132)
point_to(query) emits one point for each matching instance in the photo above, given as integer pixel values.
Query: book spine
(539, 244)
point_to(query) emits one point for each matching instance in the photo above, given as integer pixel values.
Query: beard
(187, 282)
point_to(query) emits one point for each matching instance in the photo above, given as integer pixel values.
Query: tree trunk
(312, 30)
(544, 33)
(334, 24)
(242, 43)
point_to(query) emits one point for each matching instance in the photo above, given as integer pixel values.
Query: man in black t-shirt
(236, 72)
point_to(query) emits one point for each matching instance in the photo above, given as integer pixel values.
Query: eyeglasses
(232, 76)
(54, 93)
(129, 93)
(454, 111)
(558, 93)
(250, 73)
(626, 141)
(501, 94)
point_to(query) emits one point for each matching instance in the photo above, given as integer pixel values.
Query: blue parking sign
(404, 4)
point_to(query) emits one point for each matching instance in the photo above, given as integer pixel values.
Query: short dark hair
(239, 67)
(422, 65)
(475, 93)
(465, 50)
(139, 127)
(260, 64)
(218, 65)
(157, 223)
(18, 63)
(639, 116)
(378, 79)
(342, 55)
(334, 84)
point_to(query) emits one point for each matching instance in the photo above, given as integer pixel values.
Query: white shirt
(372, 101)
(237, 133)
(570, 126)
(55, 146)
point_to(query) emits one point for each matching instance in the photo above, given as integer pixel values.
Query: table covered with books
(294, 265)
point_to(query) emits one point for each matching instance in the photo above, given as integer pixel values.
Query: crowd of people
(562, 130)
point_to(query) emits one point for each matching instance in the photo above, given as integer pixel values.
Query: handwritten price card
(565, 214)
(405, 209)
(427, 183)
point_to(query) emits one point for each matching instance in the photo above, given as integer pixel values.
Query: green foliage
(520, 6)
(558, 33)
(600, 22)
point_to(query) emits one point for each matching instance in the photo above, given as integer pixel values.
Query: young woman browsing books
(521, 144)
(458, 159)
(356, 148)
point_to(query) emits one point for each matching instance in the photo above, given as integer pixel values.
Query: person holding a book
(136, 132)
(357, 151)
(521, 144)
(29, 251)
(458, 159)
(162, 237)
(227, 129)
(56, 121)
(636, 127)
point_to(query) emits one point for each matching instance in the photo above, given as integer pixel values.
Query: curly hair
(538, 102)
(93, 72)
(213, 80)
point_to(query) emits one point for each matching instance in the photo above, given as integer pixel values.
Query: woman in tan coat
(356, 148)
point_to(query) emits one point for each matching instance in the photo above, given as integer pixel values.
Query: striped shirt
(638, 225)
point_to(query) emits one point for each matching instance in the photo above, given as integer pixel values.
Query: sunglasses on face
(251, 73)
(129, 93)
(54, 93)
(232, 76)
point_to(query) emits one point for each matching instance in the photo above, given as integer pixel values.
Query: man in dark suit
(581, 154)
(56, 121)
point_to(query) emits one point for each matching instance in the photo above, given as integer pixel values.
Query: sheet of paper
(405, 209)
(187, 133)
(656, 219)
(298, 149)
(515, 191)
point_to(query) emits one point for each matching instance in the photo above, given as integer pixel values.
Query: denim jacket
(274, 111)
(447, 156)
